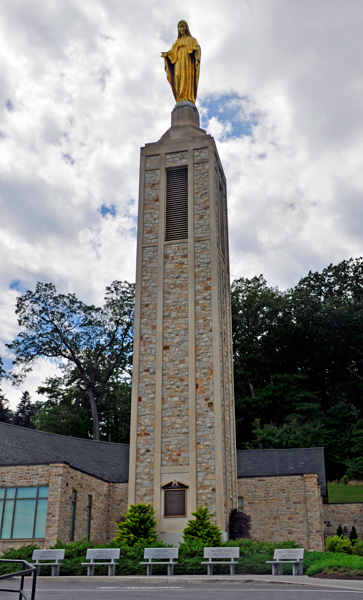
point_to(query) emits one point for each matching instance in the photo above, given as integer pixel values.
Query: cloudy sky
(82, 88)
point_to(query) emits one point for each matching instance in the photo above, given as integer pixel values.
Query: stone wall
(109, 502)
(284, 508)
(175, 405)
(346, 515)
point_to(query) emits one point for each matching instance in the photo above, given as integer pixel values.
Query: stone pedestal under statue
(182, 447)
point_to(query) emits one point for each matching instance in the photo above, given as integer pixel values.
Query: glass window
(41, 518)
(7, 519)
(30, 492)
(23, 512)
(240, 503)
(43, 492)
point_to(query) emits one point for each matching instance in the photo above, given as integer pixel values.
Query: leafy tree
(5, 412)
(299, 364)
(25, 412)
(340, 531)
(239, 525)
(138, 525)
(67, 410)
(201, 528)
(96, 341)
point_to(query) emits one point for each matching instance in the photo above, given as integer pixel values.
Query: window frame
(17, 499)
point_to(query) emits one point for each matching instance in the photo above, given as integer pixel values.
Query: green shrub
(358, 548)
(138, 526)
(353, 536)
(201, 528)
(74, 556)
(340, 531)
(23, 553)
(339, 544)
(239, 525)
(330, 563)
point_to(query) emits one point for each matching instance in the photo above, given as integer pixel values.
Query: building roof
(104, 460)
(290, 461)
(110, 462)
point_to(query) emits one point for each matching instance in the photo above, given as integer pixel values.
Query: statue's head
(183, 29)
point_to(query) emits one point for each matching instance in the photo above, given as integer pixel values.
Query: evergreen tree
(202, 528)
(25, 412)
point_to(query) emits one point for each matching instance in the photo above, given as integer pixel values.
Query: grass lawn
(338, 492)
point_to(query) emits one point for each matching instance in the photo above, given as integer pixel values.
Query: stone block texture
(344, 514)
(183, 402)
(284, 508)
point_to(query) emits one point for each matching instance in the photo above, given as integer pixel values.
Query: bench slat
(231, 552)
(161, 553)
(48, 555)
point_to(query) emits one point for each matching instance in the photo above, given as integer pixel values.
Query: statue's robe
(182, 68)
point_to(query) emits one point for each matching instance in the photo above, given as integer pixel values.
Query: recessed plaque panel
(174, 503)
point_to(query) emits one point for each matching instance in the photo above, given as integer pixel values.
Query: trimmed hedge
(253, 557)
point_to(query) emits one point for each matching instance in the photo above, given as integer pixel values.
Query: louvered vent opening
(177, 204)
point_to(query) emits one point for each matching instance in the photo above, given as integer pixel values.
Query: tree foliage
(138, 525)
(24, 415)
(299, 364)
(239, 525)
(96, 341)
(202, 528)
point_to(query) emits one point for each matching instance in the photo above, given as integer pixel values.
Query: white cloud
(82, 87)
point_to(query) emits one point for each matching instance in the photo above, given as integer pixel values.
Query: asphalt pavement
(239, 587)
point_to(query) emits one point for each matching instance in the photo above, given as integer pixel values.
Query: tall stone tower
(182, 447)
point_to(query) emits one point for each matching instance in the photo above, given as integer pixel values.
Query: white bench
(295, 556)
(95, 555)
(228, 554)
(46, 555)
(160, 556)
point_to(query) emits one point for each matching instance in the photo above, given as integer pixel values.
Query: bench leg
(231, 569)
(38, 570)
(111, 570)
(297, 568)
(277, 569)
(170, 570)
(149, 569)
(90, 570)
(55, 570)
(210, 569)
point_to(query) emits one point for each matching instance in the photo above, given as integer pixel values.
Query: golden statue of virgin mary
(182, 65)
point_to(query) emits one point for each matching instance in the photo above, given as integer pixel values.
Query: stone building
(182, 442)
(57, 487)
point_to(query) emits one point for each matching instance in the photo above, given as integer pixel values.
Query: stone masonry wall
(146, 399)
(151, 205)
(84, 485)
(117, 505)
(344, 514)
(283, 508)
(204, 377)
(175, 408)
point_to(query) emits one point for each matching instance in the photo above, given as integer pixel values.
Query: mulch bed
(337, 575)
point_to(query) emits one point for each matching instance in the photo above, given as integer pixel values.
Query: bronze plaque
(174, 503)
